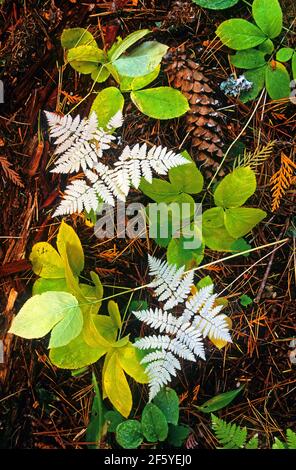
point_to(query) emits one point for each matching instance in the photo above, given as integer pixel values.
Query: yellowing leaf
(99, 331)
(117, 387)
(114, 313)
(129, 358)
(220, 343)
(46, 261)
(68, 243)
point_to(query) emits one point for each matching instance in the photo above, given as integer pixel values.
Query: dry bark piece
(202, 120)
(181, 13)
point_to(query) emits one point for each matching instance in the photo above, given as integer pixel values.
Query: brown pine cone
(202, 118)
(181, 13)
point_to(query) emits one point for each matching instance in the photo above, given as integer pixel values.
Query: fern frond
(256, 158)
(278, 444)
(282, 180)
(170, 284)
(230, 436)
(9, 172)
(252, 443)
(78, 197)
(160, 372)
(159, 320)
(291, 439)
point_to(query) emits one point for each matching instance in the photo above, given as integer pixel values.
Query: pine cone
(202, 118)
(181, 13)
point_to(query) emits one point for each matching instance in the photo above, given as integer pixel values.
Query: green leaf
(44, 285)
(129, 434)
(252, 443)
(68, 243)
(98, 285)
(154, 424)
(216, 4)
(213, 218)
(67, 329)
(167, 401)
(142, 60)
(219, 401)
(268, 16)
(85, 59)
(239, 34)
(159, 190)
(267, 47)
(46, 261)
(214, 232)
(249, 59)
(177, 435)
(205, 282)
(245, 300)
(284, 54)
(137, 83)
(75, 37)
(92, 302)
(96, 423)
(113, 419)
(294, 65)
(278, 444)
(257, 77)
(186, 178)
(236, 188)
(116, 386)
(108, 102)
(180, 254)
(127, 42)
(42, 312)
(241, 220)
(160, 103)
(277, 81)
(100, 74)
(99, 331)
(129, 358)
(241, 245)
(76, 354)
(114, 313)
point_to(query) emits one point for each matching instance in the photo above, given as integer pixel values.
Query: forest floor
(43, 407)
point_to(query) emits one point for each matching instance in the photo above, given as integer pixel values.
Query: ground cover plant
(147, 172)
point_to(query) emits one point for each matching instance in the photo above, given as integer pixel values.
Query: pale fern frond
(184, 334)
(78, 196)
(170, 283)
(256, 158)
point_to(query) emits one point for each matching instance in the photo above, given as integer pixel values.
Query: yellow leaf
(117, 387)
(114, 313)
(99, 331)
(129, 358)
(220, 343)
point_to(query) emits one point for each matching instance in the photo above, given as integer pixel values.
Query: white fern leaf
(195, 303)
(116, 121)
(170, 284)
(161, 371)
(78, 196)
(191, 337)
(159, 320)
(213, 325)
(153, 342)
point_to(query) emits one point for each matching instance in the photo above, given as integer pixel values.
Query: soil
(43, 407)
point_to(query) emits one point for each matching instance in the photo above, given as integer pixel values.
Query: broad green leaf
(68, 243)
(117, 387)
(137, 83)
(92, 301)
(236, 188)
(267, 47)
(96, 423)
(241, 245)
(108, 102)
(85, 59)
(167, 401)
(99, 331)
(76, 354)
(294, 65)
(284, 54)
(113, 419)
(277, 81)
(114, 313)
(154, 424)
(129, 358)
(257, 77)
(186, 178)
(205, 282)
(181, 254)
(67, 329)
(75, 37)
(44, 285)
(161, 102)
(46, 261)
(131, 39)
(159, 190)
(239, 34)
(178, 434)
(216, 4)
(219, 401)
(142, 60)
(213, 218)
(240, 221)
(217, 239)
(268, 16)
(249, 59)
(41, 313)
(129, 434)
(100, 74)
